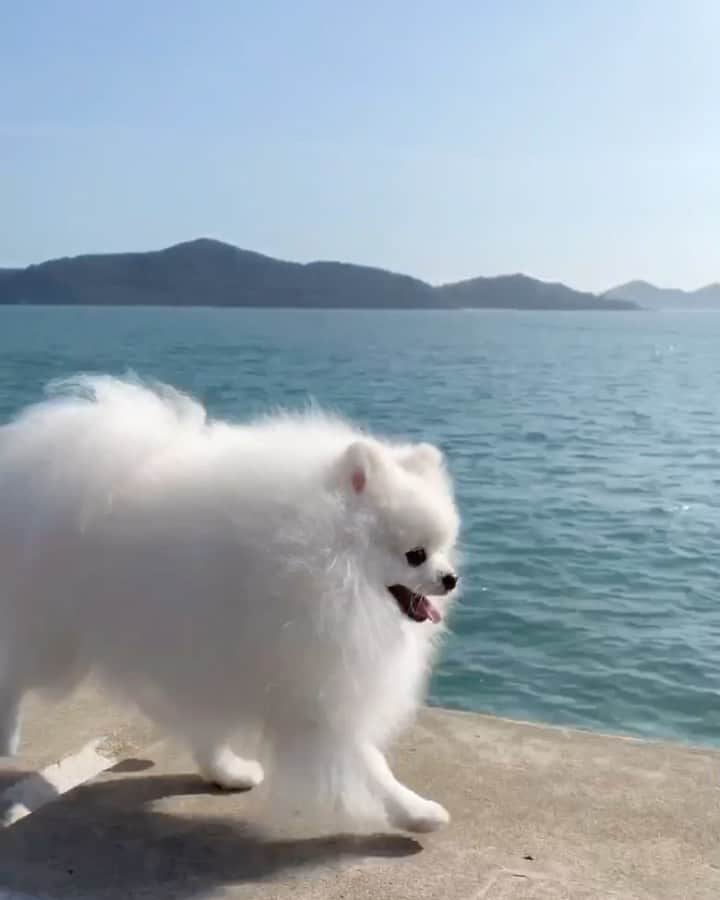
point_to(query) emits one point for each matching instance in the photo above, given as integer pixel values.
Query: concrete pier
(538, 814)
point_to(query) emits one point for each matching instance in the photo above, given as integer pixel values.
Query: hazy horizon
(571, 144)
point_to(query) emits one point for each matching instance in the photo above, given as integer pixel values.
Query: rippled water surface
(586, 449)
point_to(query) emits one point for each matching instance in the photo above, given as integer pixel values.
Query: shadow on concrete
(104, 840)
(26, 791)
(9, 777)
(132, 765)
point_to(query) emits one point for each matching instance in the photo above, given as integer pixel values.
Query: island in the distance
(207, 272)
(651, 297)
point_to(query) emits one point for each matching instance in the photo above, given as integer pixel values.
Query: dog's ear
(422, 458)
(360, 464)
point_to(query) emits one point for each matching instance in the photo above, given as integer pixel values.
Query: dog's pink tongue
(430, 610)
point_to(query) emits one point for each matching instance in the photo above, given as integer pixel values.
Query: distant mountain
(651, 297)
(206, 272)
(521, 292)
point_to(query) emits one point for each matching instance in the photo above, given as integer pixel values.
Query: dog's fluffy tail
(87, 437)
(86, 402)
(132, 393)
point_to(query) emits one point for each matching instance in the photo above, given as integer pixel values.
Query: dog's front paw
(420, 817)
(232, 773)
(239, 775)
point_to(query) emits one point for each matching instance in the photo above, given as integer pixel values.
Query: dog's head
(404, 517)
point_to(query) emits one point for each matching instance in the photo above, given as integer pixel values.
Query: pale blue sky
(570, 140)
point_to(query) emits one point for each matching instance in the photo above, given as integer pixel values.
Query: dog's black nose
(449, 582)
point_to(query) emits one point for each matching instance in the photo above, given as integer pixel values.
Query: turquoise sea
(586, 450)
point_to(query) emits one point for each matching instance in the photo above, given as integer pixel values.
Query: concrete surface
(538, 814)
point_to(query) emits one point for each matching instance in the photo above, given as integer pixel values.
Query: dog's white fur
(231, 580)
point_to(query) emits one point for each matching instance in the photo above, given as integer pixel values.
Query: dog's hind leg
(10, 696)
(220, 766)
(9, 727)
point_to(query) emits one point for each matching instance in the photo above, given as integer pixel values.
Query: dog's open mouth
(415, 606)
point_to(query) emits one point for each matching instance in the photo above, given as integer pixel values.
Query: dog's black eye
(416, 557)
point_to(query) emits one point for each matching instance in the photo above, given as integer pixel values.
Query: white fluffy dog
(280, 582)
